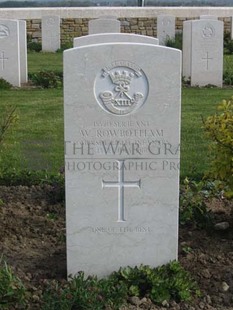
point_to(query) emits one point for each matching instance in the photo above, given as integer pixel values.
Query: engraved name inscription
(121, 230)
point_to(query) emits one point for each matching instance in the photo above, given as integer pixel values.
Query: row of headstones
(199, 46)
(13, 47)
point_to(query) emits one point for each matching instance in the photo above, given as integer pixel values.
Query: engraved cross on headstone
(121, 184)
(207, 58)
(3, 59)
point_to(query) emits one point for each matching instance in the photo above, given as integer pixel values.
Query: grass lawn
(36, 141)
(44, 61)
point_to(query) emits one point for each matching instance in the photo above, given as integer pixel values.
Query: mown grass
(36, 141)
(197, 104)
(44, 61)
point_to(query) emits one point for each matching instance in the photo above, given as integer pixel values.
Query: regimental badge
(208, 31)
(121, 88)
(4, 31)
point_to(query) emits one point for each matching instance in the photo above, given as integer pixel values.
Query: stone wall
(75, 27)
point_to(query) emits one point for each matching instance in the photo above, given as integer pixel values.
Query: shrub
(47, 79)
(34, 47)
(228, 43)
(219, 128)
(65, 46)
(12, 291)
(4, 85)
(228, 77)
(193, 209)
(176, 42)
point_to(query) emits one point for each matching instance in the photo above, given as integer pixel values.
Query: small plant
(219, 128)
(85, 293)
(228, 43)
(176, 42)
(34, 47)
(193, 209)
(7, 120)
(65, 46)
(4, 85)
(12, 291)
(168, 282)
(228, 77)
(47, 79)
(165, 283)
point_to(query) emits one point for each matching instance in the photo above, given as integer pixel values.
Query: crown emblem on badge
(119, 77)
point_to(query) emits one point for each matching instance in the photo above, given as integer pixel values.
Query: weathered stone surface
(104, 25)
(203, 52)
(116, 37)
(122, 129)
(165, 28)
(10, 51)
(50, 33)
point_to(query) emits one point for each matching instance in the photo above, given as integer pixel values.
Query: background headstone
(165, 28)
(113, 37)
(50, 33)
(186, 49)
(10, 51)
(105, 24)
(23, 51)
(122, 132)
(203, 57)
(207, 53)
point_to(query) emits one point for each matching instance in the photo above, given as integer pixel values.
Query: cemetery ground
(32, 208)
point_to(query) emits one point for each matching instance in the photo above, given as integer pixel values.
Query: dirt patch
(32, 239)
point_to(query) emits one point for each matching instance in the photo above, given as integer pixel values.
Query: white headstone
(113, 37)
(10, 51)
(122, 129)
(186, 49)
(207, 53)
(165, 28)
(23, 51)
(50, 33)
(204, 60)
(208, 17)
(104, 25)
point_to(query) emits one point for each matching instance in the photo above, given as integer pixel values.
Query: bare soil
(32, 240)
